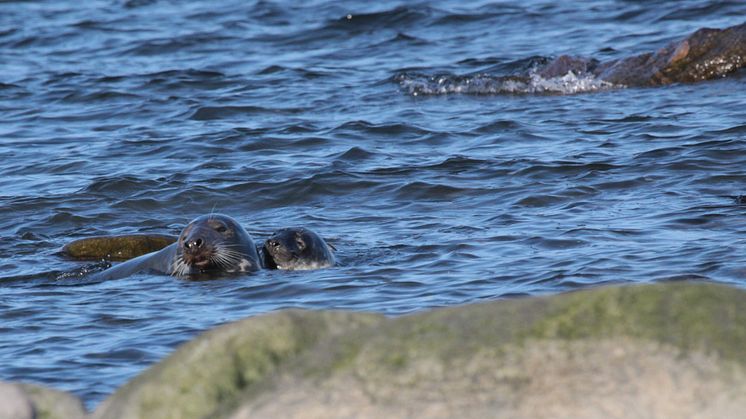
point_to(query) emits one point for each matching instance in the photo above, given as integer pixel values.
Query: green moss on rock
(480, 357)
(689, 316)
(122, 247)
(53, 404)
(205, 375)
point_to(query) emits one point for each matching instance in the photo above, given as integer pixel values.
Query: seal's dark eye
(221, 229)
(301, 244)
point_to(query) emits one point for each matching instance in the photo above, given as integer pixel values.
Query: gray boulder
(14, 404)
(28, 401)
(651, 351)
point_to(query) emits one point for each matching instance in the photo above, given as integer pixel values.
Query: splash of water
(484, 84)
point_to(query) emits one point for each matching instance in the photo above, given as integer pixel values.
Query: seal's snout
(197, 249)
(197, 240)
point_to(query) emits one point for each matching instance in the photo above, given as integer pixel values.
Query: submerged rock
(664, 350)
(22, 401)
(704, 55)
(123, 247)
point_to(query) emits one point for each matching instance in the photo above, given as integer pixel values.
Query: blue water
(137, 116)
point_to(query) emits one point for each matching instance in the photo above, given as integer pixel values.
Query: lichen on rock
(661, 350)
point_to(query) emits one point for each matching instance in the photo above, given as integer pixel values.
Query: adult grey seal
(213, 243)
(297, 249)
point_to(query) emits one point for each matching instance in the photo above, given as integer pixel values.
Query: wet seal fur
(297, 249)
(213, 243)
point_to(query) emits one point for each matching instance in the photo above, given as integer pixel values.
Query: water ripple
(412, 136)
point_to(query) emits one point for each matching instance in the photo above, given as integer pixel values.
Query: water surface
(137, 116)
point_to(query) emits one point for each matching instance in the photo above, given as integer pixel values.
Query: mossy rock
(123, 247)
(211, 373)
(662, 350)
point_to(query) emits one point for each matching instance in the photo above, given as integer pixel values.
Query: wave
(417, 84)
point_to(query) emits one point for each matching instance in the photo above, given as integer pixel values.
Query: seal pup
(212, 243)
(297, 249)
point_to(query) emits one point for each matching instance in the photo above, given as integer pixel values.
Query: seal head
(297, 249)
(214, 243)
(210, 244)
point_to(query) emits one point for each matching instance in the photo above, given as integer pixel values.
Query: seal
(210, 244)
(297, 249)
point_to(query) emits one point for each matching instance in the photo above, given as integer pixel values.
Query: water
(137, 116)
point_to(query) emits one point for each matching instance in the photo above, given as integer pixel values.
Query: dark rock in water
(653, 351)
(21, 401)
(706, 54)
(566, 63)
(122, 247)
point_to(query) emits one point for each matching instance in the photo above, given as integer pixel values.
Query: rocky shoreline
(664, 350)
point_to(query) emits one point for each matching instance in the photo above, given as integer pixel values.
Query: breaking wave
(417, 84)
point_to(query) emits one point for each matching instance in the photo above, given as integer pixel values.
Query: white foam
(306, 266)
(483, 84)
(568, 84)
